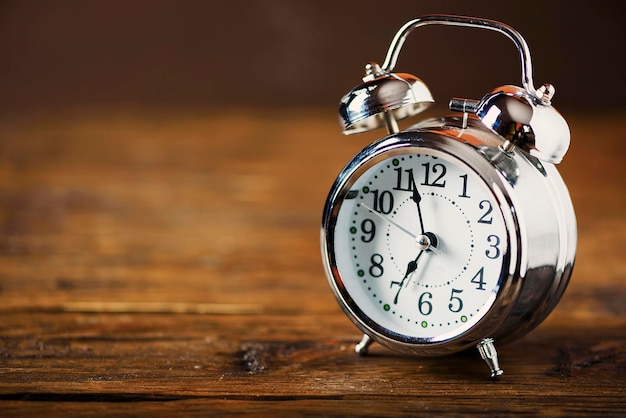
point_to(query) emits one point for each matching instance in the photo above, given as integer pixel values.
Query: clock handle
(452, 20)
(534, 126)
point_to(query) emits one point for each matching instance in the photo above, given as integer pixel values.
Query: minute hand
(417, 199)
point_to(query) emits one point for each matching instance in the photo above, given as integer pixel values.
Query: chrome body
(511, 138)
(537, 210)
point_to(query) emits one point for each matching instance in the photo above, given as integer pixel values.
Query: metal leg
(362, 347)
(488, 353)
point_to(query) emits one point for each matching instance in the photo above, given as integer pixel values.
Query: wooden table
(168, 262)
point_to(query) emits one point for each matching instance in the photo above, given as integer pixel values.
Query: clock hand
(384, 218)
(410, 269)
(424, 241)
(417, 199)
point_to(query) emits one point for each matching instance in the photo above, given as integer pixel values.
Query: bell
(382, 99)
(526, 121)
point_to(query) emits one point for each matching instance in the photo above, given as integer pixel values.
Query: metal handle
(473, 22)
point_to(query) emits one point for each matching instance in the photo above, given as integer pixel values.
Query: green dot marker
(386, 307)
(395, 162)
(463, 318)
(361, 273)
(353, 230)
(424, 324)
(366, 189)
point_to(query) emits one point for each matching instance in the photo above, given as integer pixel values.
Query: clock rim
(510, 278)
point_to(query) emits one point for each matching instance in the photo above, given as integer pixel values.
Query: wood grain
(162, 263)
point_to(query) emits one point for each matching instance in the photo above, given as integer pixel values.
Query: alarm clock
(458, 231)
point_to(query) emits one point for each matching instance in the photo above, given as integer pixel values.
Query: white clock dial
(420, 244)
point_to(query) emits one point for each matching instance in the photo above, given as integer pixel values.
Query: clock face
(420, 245)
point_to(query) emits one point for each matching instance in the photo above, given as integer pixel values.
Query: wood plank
(169, 263)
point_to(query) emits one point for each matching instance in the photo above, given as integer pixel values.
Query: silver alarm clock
(457, 232)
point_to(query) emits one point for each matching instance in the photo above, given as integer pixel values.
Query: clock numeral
(479, 280)
(376, 269)
(464, 192)
(424, 306)
(383, 201)
(456, 304)
(409, 184)
(368, 227)
(493, 251)
(488, 208)
(438, 170)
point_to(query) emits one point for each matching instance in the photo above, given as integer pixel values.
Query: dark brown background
(284, 53)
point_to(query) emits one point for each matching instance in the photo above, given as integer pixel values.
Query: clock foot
(362, 347)
(488, 352)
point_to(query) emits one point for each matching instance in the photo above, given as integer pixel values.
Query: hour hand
(410, 268)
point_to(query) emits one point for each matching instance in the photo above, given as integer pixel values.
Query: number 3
(493, 241)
